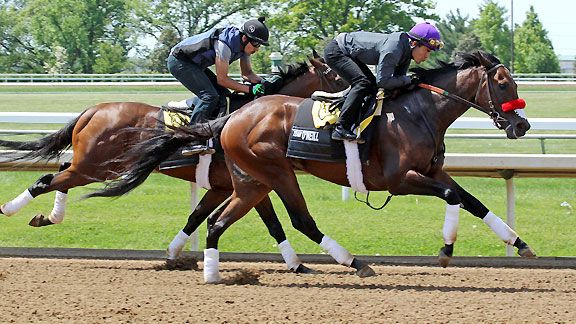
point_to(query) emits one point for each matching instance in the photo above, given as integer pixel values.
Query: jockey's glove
(414, 81)
(258, 89)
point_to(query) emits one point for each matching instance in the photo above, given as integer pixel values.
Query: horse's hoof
(443, 258)
(1, 212)
(303, 269)
(365, 271)
(526, 252)
(39, 221)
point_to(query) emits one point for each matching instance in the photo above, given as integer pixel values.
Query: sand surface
(103, 291)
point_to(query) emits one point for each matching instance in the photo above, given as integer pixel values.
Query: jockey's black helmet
(256, 31)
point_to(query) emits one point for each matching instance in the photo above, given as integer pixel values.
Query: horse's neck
(465, 85)
(301, 86)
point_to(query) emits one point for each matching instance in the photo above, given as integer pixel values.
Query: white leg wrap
(501, 229)
(336, 251)
(203, 170)
(354, 167)
(211, 260)
(57, 214)
(12, 207)
(177, 245)
(450, 229)
(289, 255)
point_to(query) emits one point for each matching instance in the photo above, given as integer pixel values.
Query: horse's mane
(294, 70)
(462, 61)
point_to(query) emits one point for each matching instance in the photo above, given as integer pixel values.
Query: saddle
(310, 137)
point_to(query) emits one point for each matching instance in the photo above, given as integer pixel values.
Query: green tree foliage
(17, 51)
(455, 29)
(304, 25)
(493, 32)
(111, 59)
(534, 51)
(62, 35)
(157, 57)
(81, 31)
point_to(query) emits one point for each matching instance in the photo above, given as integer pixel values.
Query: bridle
(490, 111)
(494, 115)
(324, 78)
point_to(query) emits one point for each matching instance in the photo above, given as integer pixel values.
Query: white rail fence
(506, 166)
(159, 78)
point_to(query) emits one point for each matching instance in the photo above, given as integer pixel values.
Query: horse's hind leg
(59, 209)
(239, 204)
(268, 215)
(39, 187)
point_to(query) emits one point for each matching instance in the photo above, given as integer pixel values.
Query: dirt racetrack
(104, 291)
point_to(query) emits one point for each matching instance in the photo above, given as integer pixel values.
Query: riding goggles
(255, 43)
(433, 44)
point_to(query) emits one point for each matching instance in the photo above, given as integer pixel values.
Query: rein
(494, 115)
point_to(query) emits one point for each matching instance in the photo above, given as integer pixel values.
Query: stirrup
(198, 149)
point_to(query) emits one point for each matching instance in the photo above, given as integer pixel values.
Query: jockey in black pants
(349, 53)
(189, 63)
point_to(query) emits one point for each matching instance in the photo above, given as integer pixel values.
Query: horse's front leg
(496, 224)
(206, 205)
(476, 208)
(268, 215)
(416, 183)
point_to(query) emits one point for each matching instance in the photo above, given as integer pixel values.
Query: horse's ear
(315, 54)
(484, 59)
(315, 62)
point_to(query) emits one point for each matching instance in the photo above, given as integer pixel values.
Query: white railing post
(345, 193)
(194, 198)
(510, 210)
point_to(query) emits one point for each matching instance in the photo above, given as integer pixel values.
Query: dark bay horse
(98, 137)
(406, 155)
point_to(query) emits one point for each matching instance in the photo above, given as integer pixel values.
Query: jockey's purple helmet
(427, 34)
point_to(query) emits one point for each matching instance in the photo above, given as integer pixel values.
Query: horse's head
(328, 79)
(498, 94)
(301, 80)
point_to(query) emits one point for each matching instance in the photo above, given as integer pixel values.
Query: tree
(111, 58)
(81, 31)
(468, 43)
(18, 52)
(454, 29)
(534, 49)
(157, 57)
(304, 25)
(493, 32)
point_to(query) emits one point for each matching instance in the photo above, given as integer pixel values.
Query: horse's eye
(503, 86)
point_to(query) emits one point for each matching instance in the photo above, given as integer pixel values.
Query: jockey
(189, 61)
(349, 53)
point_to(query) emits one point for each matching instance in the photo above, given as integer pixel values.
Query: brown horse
(99, 135)
(406, 154)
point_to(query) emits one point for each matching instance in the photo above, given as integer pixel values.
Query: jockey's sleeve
(222, 50)
(390, 71)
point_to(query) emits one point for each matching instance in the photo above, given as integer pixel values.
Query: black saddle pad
(177, 160)
(311, 143)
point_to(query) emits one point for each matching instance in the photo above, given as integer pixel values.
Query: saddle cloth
(310, 137)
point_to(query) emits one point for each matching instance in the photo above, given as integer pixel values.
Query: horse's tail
(144, 157)
(47, 147)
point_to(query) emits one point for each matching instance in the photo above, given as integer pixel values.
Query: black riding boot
(198, 147)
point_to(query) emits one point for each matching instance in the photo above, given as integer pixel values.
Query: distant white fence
(127, 79)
